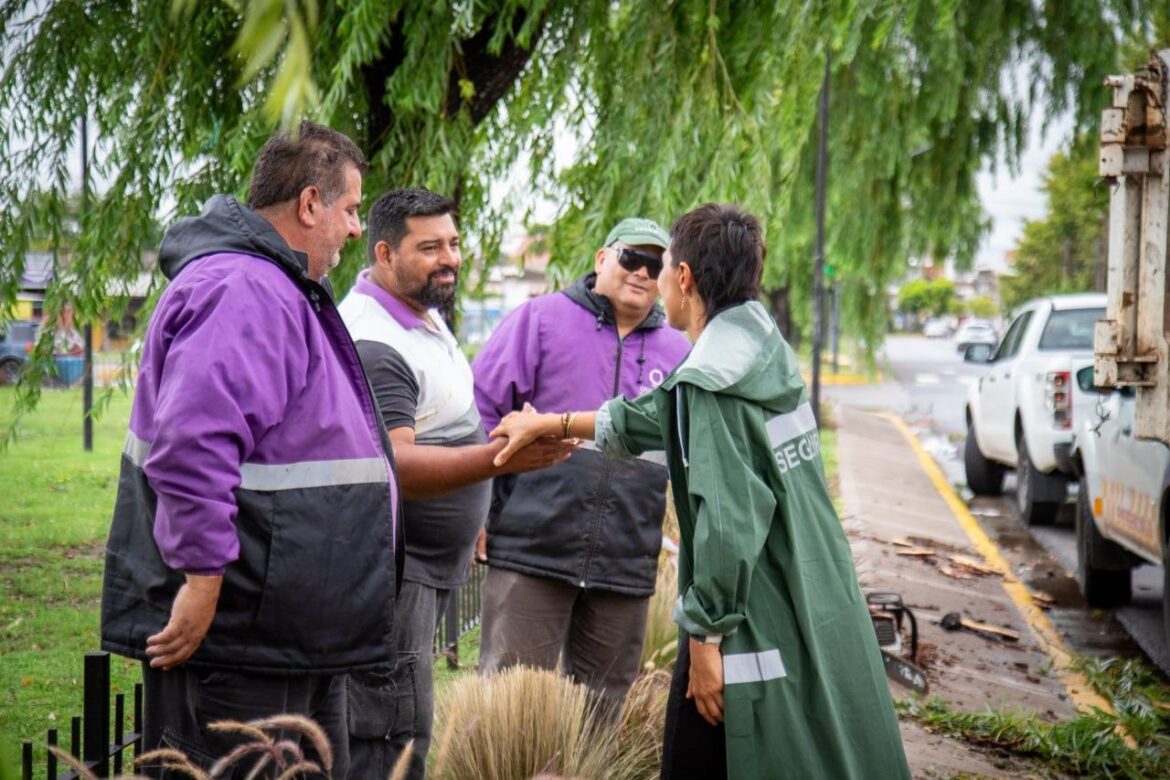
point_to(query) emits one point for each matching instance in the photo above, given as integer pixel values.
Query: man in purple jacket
(574, 549)
(253, 555)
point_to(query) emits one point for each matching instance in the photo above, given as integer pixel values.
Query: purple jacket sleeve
(232, 356)
(505, 369)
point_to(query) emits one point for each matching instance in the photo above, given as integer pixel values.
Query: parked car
(975, 331)
(1122, 501)
(16, 342)
(1021, 413)
(937, 328)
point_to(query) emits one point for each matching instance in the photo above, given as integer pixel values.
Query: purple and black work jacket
(255, 450)
(590, 521)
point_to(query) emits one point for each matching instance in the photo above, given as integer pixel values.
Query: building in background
(35, 279)
(113, 332)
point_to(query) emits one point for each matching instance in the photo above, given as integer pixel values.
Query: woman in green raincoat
(779, 674)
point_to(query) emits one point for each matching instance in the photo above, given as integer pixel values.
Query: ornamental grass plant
(660, 647)
(641, 727)
(524, 723)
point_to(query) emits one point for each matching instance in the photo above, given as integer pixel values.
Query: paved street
(890, 500)
(925, 382)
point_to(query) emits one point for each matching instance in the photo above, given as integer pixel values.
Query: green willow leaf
(662, 106)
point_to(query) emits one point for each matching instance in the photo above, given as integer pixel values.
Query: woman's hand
(706, 681)
(521, 429)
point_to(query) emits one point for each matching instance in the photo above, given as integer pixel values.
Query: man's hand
(540, 454)
(521, 429)
(481, 546)
(706, 681)
(191, 616)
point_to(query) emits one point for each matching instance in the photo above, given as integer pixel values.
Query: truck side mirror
(1085, 382)
(977, 353)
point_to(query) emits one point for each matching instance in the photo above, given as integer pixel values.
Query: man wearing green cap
(573, 549)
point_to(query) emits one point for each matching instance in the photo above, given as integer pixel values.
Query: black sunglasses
(632, 261)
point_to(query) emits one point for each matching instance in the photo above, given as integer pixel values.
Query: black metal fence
(89, 733)
(461, 616)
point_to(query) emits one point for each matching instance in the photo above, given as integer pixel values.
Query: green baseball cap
(637, 230)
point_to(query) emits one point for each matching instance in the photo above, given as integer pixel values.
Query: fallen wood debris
(973, 565)
(1043, 600)
(955, 573)
(917, 552)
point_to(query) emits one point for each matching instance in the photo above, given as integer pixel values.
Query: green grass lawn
(54, 514)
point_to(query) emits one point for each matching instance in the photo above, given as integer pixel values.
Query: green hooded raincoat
(764, 560)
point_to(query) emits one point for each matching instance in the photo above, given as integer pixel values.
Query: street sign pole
(87, 380)
(818, 333)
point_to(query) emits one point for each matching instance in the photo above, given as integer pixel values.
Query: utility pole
(87, 379)
(818, 333)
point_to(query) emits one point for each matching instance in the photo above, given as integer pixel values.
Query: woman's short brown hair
(724, 247)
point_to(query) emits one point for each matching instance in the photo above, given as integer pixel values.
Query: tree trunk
(491, 75)
(781, 306)
(1101, 267)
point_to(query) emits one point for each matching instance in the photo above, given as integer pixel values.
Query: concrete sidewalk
(888, 495)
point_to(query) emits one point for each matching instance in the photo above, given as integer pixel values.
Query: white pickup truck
(1021, 413)
(1122, 501)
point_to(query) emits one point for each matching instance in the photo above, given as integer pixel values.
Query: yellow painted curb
(1079, 690)
(836, 380)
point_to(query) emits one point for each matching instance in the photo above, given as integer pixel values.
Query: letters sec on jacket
(803, 450)
(794, 437)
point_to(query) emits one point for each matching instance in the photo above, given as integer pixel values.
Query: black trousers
(180, 705)
(386, 713)
(692, 747)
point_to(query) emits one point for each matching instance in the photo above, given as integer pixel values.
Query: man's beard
(434, 296)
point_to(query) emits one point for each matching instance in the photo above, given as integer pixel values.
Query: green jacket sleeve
(734, 509)
(627, 428)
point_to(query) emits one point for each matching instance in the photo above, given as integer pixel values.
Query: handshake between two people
(529, 444)
(528, 428)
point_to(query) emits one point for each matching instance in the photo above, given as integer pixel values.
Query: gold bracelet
(566, 419)
(569, 426)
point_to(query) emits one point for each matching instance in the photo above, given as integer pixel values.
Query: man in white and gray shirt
(423, 386)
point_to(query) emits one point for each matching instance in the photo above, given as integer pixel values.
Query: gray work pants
(596, 635)
(386, 713)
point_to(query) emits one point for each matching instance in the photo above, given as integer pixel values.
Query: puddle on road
(940, 447)
(1087, 631)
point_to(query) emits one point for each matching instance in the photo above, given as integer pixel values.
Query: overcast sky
(1009, 200)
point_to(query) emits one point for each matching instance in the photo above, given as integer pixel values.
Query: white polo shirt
(446, 398)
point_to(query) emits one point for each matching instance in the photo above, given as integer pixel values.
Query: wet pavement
(890, 504)
(1086, 631)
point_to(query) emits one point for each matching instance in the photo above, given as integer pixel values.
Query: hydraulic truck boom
(1131, 346)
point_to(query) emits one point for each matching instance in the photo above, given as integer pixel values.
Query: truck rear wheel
(984, 477)
(1033, 489)
(1103, 569)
